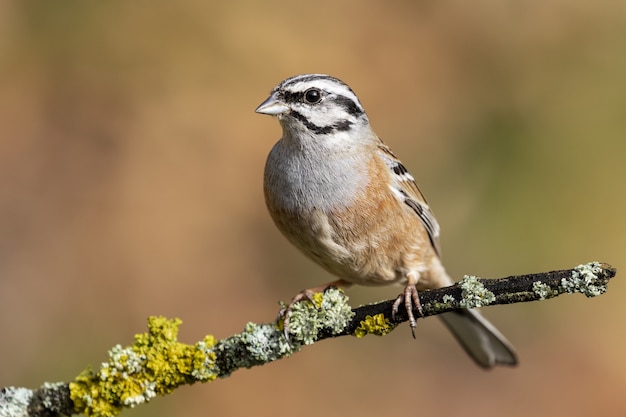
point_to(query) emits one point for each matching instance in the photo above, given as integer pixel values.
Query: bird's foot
(411, 300)
(285, 312)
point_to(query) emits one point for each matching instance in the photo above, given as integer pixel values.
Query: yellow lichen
(378, 325)
(154, 365)
(317, 299)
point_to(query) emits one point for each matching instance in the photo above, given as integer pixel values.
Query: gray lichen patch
(328, 311)
(584, 279)
(543, 291)
(14, 401)
(474, 294)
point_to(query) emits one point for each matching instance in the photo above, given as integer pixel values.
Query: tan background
(130, 185)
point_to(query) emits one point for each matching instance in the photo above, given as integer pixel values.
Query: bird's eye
(312, 96)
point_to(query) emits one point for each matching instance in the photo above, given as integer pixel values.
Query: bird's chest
(304, 192)
(301, 182)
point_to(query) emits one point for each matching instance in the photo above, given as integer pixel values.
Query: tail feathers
(480, 339)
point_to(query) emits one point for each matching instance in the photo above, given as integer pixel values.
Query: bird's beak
(272, 106)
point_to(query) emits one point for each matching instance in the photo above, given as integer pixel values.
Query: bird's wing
(407, 190)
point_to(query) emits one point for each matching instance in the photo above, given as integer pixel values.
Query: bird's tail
(480, 339)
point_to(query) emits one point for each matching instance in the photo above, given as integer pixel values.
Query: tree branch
(157, 363)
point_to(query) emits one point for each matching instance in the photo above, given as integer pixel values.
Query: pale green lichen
(474, 294)
(14, 401)
(154, 365)
(265, 343)
(256, 345)
(304, 323)
(584, 279)
(543, 291)
(447, 302)
(329, 312)
(326, 312)
(336, 312)
(448, 299)
(378, 325)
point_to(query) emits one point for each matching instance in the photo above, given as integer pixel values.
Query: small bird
(341, 196)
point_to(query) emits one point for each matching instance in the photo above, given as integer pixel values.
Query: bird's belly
(354, 246)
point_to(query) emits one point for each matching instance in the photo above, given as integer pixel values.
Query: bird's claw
(285, 312)
(410, 298)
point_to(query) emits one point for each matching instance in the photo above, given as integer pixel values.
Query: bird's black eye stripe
(314, 96)
(291, 97)
(310, 96)
(349, 105)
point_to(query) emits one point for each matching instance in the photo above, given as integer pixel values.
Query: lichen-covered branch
(471, 292)
(157, 363)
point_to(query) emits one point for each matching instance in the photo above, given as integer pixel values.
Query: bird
(343, 198)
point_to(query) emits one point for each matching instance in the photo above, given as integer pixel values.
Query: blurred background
(131, 166)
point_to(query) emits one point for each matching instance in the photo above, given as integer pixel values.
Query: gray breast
(302, 179)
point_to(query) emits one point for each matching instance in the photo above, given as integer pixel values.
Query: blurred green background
(131, 165)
